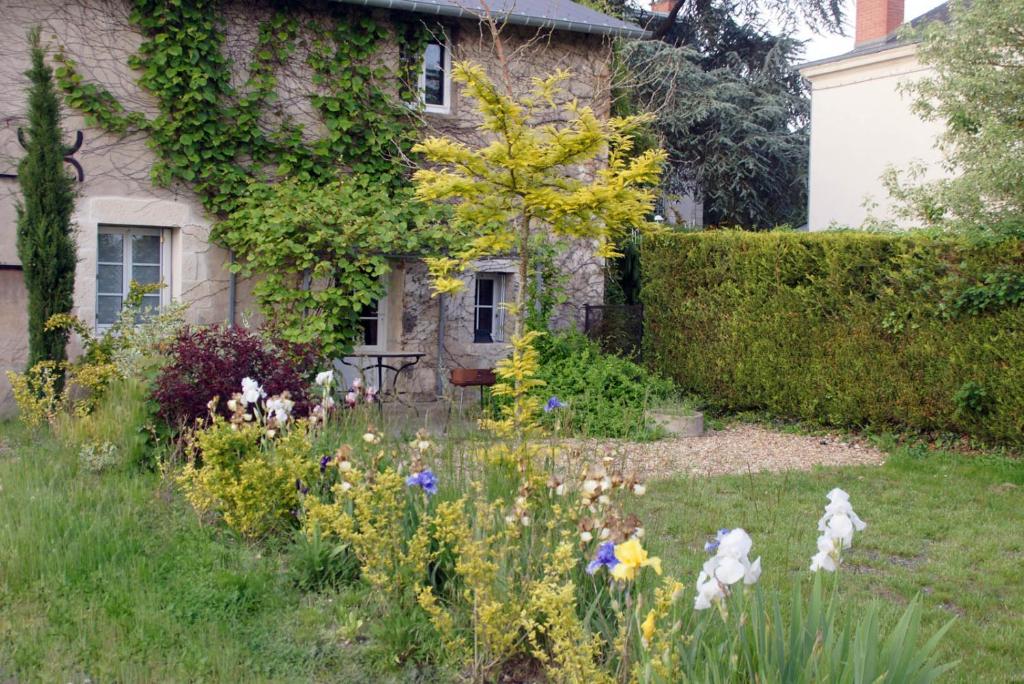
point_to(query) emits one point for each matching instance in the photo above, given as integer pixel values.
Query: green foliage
(523, 181)
(111, 577)
(845, 328)
(319, 564)
(323, 250)
(817, 641)
(251, 481)
(216, 136)
(45, 244)
(731, 111)
(975, 90)
(605, 395)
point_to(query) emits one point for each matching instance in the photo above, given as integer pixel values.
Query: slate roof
(939, 13)
(563, 15)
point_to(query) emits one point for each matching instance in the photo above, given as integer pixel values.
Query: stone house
(862, 121)
(128, 229)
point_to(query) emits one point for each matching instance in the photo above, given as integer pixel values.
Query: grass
(942, 526)
(111, 576)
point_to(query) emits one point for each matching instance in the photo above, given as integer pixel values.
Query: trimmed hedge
(847, 328)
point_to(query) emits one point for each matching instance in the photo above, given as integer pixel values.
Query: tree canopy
(976, 89)
(731, 112)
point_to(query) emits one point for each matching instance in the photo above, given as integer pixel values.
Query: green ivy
(231, 144)
(217, 137)
(323, 251)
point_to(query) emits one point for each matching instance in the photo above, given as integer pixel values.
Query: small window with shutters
(488, 309)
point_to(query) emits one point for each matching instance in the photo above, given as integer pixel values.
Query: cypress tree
(46, 246)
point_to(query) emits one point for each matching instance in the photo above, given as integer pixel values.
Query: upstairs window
(435, 82)
(488, 312)
(124, 255)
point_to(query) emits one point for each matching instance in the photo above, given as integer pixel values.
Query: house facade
(862, 121)
(127, 229)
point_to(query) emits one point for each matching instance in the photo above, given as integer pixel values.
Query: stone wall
(117, 189)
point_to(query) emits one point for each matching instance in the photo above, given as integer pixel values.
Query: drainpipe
(232, 289)
(439, 373)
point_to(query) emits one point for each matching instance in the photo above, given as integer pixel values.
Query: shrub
(208, 362)
(604, 395)
(847, 328)
(493, 563)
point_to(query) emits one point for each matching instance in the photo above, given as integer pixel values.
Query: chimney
(662, 6)
(877, 18)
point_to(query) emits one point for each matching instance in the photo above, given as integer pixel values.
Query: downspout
(439, 372)
(232, 289)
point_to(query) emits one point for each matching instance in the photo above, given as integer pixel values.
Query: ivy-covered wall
(847, 328)
(261, 57)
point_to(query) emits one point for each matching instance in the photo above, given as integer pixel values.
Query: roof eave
(457, 12)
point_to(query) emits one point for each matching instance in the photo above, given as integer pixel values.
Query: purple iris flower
(712, 546)
(425, 480)
(553, 404)
(324, 460)
(605, 557)
(301, 488)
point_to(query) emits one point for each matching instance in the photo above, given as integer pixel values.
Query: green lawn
(949, 528)
(112, 577)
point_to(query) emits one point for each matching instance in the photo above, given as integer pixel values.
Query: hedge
(846, 328)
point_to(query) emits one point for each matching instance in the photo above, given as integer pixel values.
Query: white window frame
(446, 83)
(382, 329)
(126, 233)
(497, 307)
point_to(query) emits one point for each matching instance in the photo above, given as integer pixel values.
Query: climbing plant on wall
(224, 139)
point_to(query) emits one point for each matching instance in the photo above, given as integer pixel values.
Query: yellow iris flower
(647, 628)
(632, 557)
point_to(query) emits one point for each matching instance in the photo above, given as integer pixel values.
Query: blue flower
(301, 488)
(324, 460)
(553, 404)
(424, 479)
(605, 557)
(712, 546)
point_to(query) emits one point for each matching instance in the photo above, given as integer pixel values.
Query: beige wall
(860, 124)
(117, 189)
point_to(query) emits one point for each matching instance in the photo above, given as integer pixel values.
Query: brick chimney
(662, 6)
(877, 18)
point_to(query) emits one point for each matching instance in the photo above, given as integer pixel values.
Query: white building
(862, 121)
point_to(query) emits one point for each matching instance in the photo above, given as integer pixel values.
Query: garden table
(396, 361)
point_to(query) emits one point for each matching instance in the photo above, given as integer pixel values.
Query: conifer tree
(45, 244)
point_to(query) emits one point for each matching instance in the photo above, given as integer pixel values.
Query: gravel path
(736, 449)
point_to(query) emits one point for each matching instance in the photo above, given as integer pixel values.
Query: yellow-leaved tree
(577, 178)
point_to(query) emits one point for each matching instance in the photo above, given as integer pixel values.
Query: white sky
(820, 47)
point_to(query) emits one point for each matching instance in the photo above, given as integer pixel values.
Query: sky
(820, 47)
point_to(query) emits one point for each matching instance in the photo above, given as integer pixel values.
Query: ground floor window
(488, 312)
(126, 254)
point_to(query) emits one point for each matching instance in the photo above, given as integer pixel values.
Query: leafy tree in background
(977, 90)
(45, 244)
(730, 109)
(735, 130)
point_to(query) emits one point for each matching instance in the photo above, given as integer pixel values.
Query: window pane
(150, 305)
(369, 332)
(145, 249)
(146, 275)
(484, 292)
(433, 81)
(107, 309)
(111, 247)
(109, 279)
